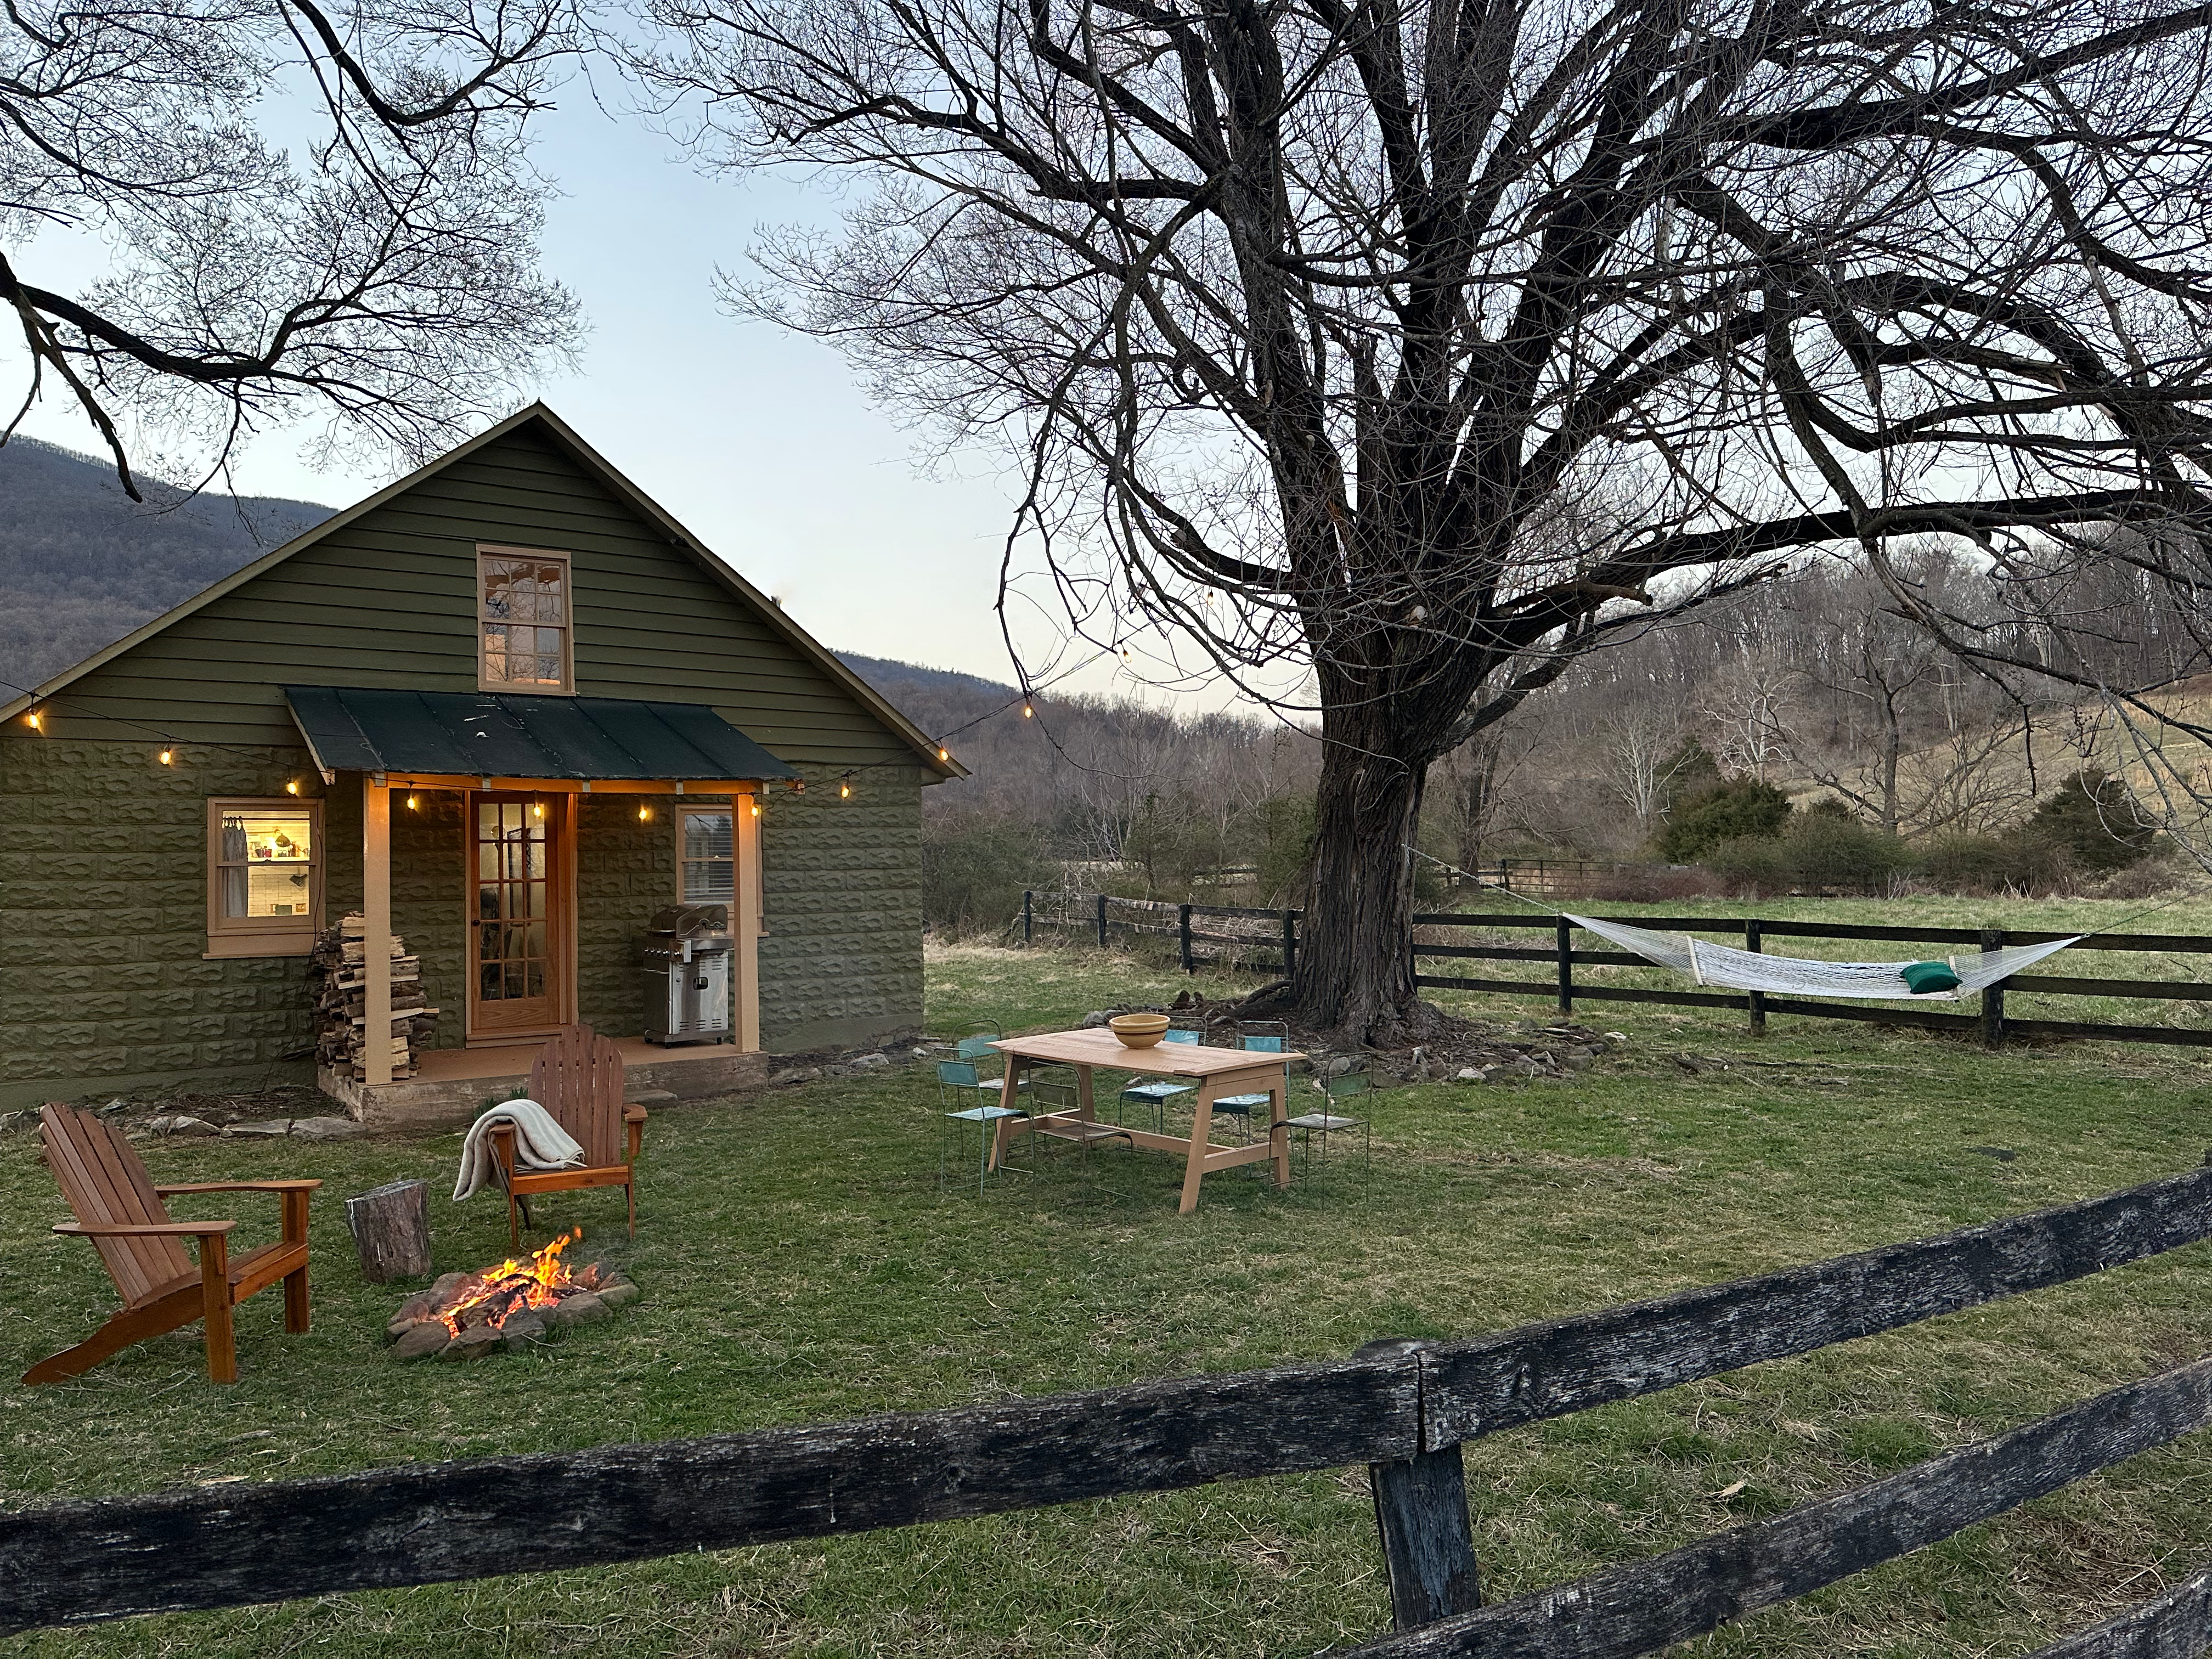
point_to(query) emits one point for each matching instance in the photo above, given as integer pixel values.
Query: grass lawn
(801, 1262)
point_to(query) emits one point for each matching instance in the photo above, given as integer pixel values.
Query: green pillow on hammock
(1921, 977)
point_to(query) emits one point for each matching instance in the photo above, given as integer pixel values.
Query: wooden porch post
(751, 905)
(376, 929)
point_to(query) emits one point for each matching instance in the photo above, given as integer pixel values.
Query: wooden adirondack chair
(121, 1212)
(577, 1077)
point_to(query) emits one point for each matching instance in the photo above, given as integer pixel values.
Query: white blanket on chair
(540, 1143)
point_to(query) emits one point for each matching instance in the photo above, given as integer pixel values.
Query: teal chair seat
(1242, 1106)
(956, 1078)
(1158, 1091)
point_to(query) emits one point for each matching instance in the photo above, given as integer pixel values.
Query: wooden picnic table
(1219, 1072)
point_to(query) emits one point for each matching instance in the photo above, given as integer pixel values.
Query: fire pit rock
(519, 1303)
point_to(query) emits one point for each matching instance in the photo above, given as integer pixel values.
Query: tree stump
(391, 1228)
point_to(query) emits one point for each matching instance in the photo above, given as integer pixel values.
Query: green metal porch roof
(494, 734)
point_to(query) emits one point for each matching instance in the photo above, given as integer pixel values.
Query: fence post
(1101, 922)
(1754, 940)
(1182, 937)
(1993, 1033)
(1420, 1511)
(1290, 945)
(1029, 916)
(1567, 967)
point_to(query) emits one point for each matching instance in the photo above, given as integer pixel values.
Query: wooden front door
(517, 916)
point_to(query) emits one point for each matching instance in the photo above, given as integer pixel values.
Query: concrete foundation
(452, 1085)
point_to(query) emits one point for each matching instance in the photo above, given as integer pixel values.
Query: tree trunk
(1355, 967)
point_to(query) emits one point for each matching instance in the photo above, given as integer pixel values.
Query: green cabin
(504, 712)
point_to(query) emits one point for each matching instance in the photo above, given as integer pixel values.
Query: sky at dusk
(757, 440)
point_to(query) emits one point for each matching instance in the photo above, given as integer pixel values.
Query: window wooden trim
(567, 563)
(687, 809)
(263, 936)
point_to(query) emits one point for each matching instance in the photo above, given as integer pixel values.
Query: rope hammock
(1751, 970)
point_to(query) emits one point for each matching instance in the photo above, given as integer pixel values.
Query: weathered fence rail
(1402, 1408)
(1278, 929)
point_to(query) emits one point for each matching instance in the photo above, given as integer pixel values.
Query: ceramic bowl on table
(1138, 1031)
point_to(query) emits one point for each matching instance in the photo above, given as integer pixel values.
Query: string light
(292, 785)
(35, 720)
(845, 787)
(166, 757)
(538, 809)
(756, 806)
(1028, 712)
(645, 815)
(410, 803)
(943, 753)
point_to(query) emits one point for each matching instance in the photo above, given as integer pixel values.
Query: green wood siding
(393, 596)
(102, 851)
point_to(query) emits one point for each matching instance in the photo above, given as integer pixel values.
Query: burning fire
(539, 1282)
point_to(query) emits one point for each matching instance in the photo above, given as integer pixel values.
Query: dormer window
(522, 609)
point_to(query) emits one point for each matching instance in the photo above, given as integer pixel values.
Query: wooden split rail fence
(1403, 1407)
(1990, 1020)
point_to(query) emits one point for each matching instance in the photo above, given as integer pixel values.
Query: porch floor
(450, 1084)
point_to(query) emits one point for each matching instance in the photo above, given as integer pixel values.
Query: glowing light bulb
(645, 815)
(845, 789)
(410, 803)
(1027, 713)
(943, 753)
(755, 809)
(538, 809)
(292, 786)
(37, 720)
(166, 755)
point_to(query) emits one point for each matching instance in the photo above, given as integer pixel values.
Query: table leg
(1278, 1131)
(1201, 1140)
(1003, 1130)
(1087, 1104)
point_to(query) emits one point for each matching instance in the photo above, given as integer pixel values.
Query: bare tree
(379, 268)
(1435, 343)
(1644, 744)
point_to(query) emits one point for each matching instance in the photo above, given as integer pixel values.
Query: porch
(450, 1085)
(518, 949)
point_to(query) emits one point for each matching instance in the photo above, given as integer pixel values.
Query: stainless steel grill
(687, 975)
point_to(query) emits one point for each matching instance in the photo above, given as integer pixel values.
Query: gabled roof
(565, 438)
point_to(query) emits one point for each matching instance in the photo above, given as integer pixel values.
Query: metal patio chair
(1156, 1093)
(1260, 1036)
(1326, 1121)
(957, 1080)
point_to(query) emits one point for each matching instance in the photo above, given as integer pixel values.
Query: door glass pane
(514, 941)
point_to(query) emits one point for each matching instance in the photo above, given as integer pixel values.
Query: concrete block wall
(103, 914)
(103, 923)
(842, 963)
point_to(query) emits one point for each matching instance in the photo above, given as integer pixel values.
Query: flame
(538, 1282)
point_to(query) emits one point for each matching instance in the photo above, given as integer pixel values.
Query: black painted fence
(1104, 915)
(1403, 1407)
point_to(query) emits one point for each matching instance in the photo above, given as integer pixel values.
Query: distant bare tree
(1644, 744)
(375, 264)
(1433, 342)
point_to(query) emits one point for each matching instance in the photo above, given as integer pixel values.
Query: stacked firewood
(337, 967)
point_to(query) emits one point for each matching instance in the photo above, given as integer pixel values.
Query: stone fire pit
(518, 1303)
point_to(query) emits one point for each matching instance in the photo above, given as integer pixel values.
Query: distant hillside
(885, 673)
(82, 564)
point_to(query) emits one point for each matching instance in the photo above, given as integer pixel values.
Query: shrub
(1629, 886)
(2092, 819)
(1821, 849)
(2015, 862)
(975, 867)
(1741, 809)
